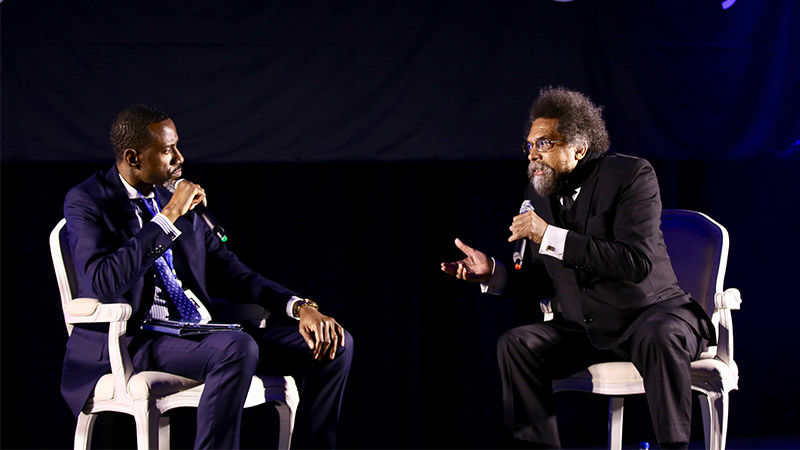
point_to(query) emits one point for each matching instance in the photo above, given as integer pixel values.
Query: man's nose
(177, 157)
(533, 155)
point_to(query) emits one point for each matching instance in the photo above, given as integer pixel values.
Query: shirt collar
(133, 194)
(574, 196)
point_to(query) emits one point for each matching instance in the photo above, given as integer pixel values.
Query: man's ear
(131, 157)
(581, 150)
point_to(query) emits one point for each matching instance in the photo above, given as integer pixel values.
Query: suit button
(587, 320)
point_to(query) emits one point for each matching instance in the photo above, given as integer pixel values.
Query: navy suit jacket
(616, 270)
(113, 259)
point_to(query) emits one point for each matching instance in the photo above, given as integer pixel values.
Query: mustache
(538, 166)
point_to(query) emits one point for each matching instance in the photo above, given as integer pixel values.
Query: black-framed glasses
(542, 145)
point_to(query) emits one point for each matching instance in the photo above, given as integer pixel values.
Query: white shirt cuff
(497, 282)
(168, 227)
(553, 242)
(290, 305)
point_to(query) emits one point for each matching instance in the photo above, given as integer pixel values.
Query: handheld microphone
(521, 245)
(202, 211)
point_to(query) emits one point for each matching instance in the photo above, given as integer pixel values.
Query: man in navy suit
(121, 225)
(600, 254)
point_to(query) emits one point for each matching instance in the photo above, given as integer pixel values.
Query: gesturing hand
(322, 333)
(475, 267)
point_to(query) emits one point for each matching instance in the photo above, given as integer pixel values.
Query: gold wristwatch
(303, 302)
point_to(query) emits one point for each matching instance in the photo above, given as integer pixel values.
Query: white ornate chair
(147, 395)
(698, 248)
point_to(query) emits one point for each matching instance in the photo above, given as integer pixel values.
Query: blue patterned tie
(166, 278)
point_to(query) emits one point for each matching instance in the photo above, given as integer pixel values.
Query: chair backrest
(62, 263)
(698, 248)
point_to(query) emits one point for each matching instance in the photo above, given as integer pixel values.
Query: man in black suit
(133, 241)
(600, 253)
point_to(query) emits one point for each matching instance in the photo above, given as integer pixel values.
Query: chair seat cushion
(159, 384)
(622, 378)
(145, 384)
(610, 378)
(270, 388)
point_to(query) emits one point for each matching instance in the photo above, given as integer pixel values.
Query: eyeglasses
(542, 145)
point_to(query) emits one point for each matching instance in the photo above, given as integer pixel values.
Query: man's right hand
(187, 195)
(476, 267)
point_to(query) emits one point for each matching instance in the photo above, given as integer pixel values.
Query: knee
(241, 349)
(515, 341)
(664, 336)
(345, 350)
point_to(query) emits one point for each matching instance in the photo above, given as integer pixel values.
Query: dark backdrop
(345, 144)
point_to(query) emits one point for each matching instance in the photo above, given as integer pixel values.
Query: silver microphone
(522, 244)
(171, 185)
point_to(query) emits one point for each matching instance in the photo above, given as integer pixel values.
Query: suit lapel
(120, 207)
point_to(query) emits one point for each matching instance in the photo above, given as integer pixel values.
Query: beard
(549, 181)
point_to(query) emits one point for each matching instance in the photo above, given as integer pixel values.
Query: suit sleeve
(627, 253)
(239, 281)
(106, 266)
(532, 282)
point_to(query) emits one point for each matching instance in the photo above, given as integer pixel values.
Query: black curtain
(391, 81)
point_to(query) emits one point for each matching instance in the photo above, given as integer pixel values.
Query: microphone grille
(525, 207)
(170, 185)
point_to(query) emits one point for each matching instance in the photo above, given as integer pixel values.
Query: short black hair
(129, 130)
(578, 117)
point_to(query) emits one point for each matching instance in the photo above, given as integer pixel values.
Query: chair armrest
(246, 313)
(726, 301)
(730, 298)
(91, 310)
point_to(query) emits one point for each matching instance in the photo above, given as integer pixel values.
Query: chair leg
(292, 400)
(715, 419)
(286, 425)
(163, 433)
(83, 431)
(147, 428)
(285, 397)
(616, 406)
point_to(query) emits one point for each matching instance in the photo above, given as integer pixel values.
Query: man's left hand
(322, 333)
(527, 225)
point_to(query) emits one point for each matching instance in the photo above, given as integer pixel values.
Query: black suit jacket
(113, 259)
(615, 271)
